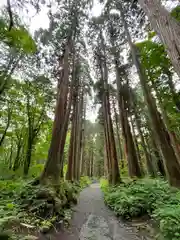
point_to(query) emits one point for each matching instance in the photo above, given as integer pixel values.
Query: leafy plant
(41, 206)
(176, 13)
(147, 197)
(169, 220)
(18, 38)
(104, 184)
(84, 182)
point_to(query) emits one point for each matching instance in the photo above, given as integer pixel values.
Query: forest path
(92, 220)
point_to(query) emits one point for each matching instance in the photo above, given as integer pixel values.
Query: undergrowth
(84, 182)
(27, 209)
(152, 197)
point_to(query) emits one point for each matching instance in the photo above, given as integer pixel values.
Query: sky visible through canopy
(40, 20)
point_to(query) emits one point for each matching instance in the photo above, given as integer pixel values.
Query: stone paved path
(92, 220)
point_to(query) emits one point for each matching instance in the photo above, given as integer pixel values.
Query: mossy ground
(26, 210)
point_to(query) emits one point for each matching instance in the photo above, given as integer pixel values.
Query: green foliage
(9, 190)
(36, 170)
(176, 13)
(153, 58)
(168, 217)
(147, 197)
(158, 69)
(84, 182)
(151, 35)
(41, 206)
(18, 38)
(104, 184)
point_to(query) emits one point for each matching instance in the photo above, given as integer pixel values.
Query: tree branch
(11, 23)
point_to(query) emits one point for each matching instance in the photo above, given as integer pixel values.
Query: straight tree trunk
(105, 162)
(166, 120)
(28, 154)
(112, 147)
(64, 134)
(118, 135)
(77, 131)
(170, 161)
(92, 162)
(83, 140)
(133, 165)
(7, 126)
(115, 165)
(135, 141)
(89, 163)
(159, 159)
(113, 168)
(149, 160)
(80, 137)
(167, 28)
(149, 163)
(10, 156)
(71, 155)
(107, 142)
(175, 96)
(52, 166)
(16, 160)
(155, 148)
(67, 118)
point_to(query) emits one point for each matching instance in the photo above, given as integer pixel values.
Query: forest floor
(92, 220)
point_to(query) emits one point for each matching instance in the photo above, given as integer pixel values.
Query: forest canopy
(121, 67)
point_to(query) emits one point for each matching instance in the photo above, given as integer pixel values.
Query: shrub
(84, 182)
(35, 170)
(168, 218)
(41, 206)
(104, 184)
(147, 197)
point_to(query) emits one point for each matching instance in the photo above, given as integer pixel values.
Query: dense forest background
(123, 64)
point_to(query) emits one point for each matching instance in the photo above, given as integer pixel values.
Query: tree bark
(118, 135)
(155, 148)
(170, 161)
(80, 133)
(167, 28)
(149, 163)
(72, 147)
(130, 151)
(7, 126)
(133, 165)
(135, 141)
(166, 120)
(28, 155)
(16, 160)
(83, 139)
(175, 96)
(107, 139)
(52, 166)
(92, 162)
(110, 132)
(64, 134)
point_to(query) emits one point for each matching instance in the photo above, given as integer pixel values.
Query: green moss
(23, 205)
